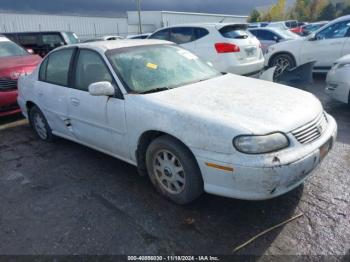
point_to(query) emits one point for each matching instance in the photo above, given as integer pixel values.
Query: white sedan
(189, 127)
(325, 46)
(338, 80)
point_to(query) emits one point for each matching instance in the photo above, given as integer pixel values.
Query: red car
(14, 62)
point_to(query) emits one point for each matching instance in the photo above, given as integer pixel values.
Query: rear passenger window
(90, 69)
(234, 31)
(52, 40)
(267, 35)
(28, 39)
(161, 35)
(254, 32)
(57, 69)
(181, 35)
(199, 33)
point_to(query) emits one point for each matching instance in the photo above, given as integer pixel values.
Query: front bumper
(265, 180)
(8, 103)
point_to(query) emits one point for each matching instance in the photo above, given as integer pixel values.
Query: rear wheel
(39, 124)
(173, 170)
(282, 62)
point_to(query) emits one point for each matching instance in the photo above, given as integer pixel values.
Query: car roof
(36, 32)
(115, 44)
(4, 39)
(204, 25)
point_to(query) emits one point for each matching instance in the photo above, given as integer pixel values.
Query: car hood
(258, 106)
(18, 62)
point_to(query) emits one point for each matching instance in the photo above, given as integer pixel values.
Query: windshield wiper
(158, 89)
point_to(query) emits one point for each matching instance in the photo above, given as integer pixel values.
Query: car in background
(269, 36)
(312, 27)
(286, 25)
(338, 80)
(299, 29)
(258, 24)
(14, 62)
(43, 42)
(228, 47)
(141, 36)
(105, 38)
(323, 47)
(144, 101)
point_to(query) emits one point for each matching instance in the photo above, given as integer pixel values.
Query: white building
(89, 27)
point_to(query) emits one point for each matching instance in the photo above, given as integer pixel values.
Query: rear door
(328, 45)
(97, 121)
(52, 89)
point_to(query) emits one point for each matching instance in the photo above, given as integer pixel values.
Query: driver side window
(338, 30)
(90, 69)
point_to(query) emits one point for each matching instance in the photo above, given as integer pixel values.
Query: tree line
(302, 10)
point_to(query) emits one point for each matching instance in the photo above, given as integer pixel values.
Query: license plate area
(325, 149)
(250, 51)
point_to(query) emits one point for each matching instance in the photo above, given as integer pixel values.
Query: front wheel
(173, 170)
(282, 62)
(39, 124)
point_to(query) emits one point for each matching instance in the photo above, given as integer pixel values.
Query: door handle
(75, 102)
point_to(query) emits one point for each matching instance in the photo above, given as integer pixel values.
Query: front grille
(7, 84)
(311, 131)
(8, 107)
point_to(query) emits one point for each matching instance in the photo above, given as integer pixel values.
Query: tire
(282, 62)
(39, 124)
(173, 170)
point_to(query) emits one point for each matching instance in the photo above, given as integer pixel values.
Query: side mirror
(312, 37)
(101, 89)
(276, 39)
(30, 51)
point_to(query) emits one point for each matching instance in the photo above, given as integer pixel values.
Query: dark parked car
(14, 62)
(42, 42)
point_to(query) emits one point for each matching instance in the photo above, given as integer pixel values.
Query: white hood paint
(257, 106)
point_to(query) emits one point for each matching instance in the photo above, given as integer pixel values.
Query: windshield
(71, 38)
(8, 48)
(157, 67)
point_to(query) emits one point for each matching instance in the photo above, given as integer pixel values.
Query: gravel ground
(64, 198)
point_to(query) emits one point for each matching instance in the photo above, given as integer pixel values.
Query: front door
(97, 121)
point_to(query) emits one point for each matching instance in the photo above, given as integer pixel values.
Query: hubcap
(282, 64)
(169, 172)
(39, 126)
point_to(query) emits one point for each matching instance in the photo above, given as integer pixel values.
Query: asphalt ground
(63, 198)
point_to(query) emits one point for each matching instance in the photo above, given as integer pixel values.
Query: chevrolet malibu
(190, 128)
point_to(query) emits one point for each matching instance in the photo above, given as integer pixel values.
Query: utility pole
(139, 13)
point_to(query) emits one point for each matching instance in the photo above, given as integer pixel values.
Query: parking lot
(64, 198)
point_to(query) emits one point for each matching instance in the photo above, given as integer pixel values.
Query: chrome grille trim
(7, 84)
(311, 131)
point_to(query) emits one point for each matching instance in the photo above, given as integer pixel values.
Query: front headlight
(251, 144)
(338, 66)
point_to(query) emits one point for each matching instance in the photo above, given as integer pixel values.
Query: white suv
(325, 46)
(229, 47)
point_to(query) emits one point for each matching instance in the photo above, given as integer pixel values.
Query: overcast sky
(111, 7)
